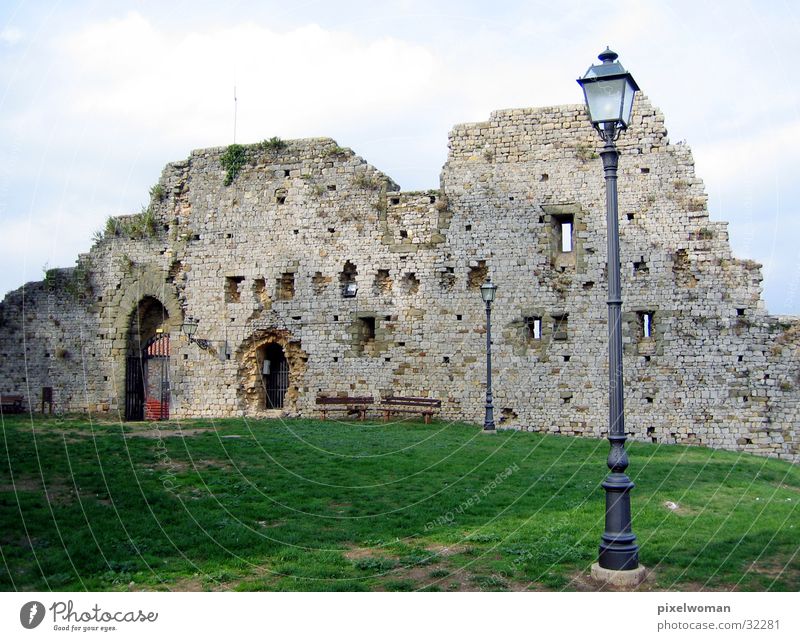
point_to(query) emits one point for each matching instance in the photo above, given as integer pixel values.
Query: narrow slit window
(646, 321)
(566, 236)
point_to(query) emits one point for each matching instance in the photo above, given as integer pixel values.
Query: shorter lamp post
(189, 327)
(487, 293)
(609, 91)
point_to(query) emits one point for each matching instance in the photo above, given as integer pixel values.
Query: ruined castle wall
(266, 259)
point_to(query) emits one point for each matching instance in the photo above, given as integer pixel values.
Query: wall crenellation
(313, 254)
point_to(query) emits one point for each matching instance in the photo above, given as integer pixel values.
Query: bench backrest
(344, 400)
(412, 401)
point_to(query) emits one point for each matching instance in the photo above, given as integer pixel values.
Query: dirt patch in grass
(159, 433)
(448, 550)
(780, 569)
(356, 553)
(58, 491)
(191, 466)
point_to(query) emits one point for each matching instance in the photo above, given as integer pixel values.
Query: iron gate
(134, 388)
(147, 389)
(277, 381)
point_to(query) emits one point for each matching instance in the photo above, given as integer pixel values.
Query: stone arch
(147, 283)
(251, 390)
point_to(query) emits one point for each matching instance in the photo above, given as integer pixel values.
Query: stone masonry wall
(266, 260)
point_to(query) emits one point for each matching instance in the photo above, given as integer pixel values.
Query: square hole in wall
(394, 200)
(566, 358)
(459, 316)
(335, 359)
(467, 227)
(432, 199)
(331, 187)
(403, 233)
(544, 178)
(445, 359)
(285, 173)
(232, 293)
(645, 170)
(629, 216)
(284, 289)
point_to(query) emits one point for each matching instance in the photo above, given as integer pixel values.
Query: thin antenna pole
(235, 105)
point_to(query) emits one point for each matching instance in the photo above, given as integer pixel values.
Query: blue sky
(96, 97)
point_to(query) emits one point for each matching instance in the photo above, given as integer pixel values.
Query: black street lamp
(487, 293)
(189, 327)
(609, 91)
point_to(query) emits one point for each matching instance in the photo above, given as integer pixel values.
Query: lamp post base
(619, 578)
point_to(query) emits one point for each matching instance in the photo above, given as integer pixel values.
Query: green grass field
(310, 505)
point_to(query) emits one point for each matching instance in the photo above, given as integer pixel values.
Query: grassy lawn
(310, 505)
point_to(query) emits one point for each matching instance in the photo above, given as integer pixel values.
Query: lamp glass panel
(487, 292)
(604, 99)
(627, 103)
(190, 327)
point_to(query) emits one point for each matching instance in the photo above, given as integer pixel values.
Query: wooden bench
(346, 404)
(11, 403)
(409, 405)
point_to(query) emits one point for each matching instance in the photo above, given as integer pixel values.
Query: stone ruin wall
(263, 260)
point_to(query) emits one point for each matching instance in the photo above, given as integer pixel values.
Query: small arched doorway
(274, 369)
(147, 362)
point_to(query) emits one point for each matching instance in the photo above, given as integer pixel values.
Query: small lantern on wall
(189, 327)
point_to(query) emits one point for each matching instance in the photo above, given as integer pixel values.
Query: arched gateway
(147, 363)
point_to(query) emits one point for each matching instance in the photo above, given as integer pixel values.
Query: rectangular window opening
(533, 327)
(560, 325)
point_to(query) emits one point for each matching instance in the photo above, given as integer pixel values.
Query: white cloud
(302, 82)
(11, 36)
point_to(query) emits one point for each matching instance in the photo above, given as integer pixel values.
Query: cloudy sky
(96, 96)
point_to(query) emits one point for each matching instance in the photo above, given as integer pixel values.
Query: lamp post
(487, 293)
(609, 91)
(189, 327)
